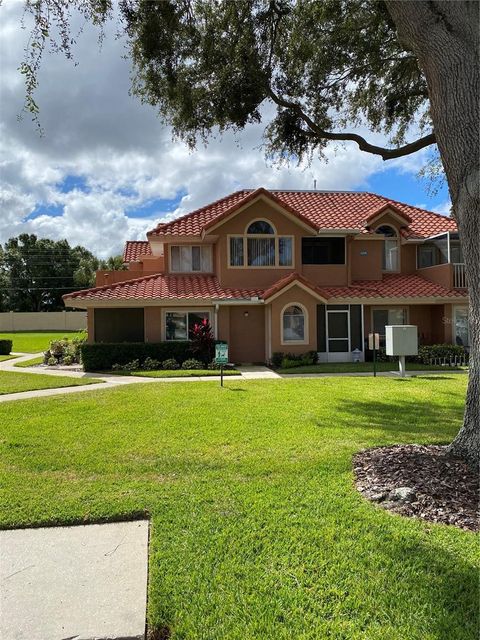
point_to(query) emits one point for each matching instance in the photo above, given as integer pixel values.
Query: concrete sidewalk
(80, 582)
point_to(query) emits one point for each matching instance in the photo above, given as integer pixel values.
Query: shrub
(192, 363)
(52, 361)
(101, 356)
(290, 360)
(133, 365)
(5, 347)
(170, 364)
(277, 358)
(150, 364)
(64, 351)
(202, 341)
(427, 353)
(214, 366)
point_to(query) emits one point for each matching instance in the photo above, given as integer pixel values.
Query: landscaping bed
(420, 481)
(176, 373)
(257, 530)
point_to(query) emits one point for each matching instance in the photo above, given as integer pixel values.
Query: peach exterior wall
(262, 278)
(153, 324)
(367, 267)
(441, 274)
(90, 325)
(292, 296)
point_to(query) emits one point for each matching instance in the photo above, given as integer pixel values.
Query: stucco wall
(294, 295)
(43, 321)
(369, 266)
(441, 274)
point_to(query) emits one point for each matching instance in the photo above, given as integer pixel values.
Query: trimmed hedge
(5, 347)
(102, 356)
(427, 353)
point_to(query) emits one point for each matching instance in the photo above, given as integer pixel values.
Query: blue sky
(107, 170)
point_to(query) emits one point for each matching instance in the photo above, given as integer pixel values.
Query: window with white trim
(390, 258)
(462, 334)
(191, 258)
(293, 324)
(179, 324)
(260, 247)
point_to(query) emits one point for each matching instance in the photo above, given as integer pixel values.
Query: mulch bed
(420, 481)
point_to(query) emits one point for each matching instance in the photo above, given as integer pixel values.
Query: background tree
(35, 273)
(399, 68)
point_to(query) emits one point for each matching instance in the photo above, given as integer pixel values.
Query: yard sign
(221, 358)
(221, 353)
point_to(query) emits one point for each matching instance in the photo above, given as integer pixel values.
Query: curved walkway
(247, 372)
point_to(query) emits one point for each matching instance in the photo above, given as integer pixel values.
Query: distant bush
(427, 353)
(133, 365)
(170, 364)
(290, 360)
(5, 347)
(192, 363)
(102, 356)
(151, 364)
(65, 351)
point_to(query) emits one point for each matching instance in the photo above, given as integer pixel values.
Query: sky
(106, 169)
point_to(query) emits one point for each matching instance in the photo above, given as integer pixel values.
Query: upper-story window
(191, 258)
(390, 257)
(325, 250)
(260, 246)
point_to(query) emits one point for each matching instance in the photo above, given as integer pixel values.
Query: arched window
(260, 247)
(260, 227)
(294, 324)
(390, 261)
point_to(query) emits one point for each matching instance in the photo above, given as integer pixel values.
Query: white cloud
(94, 129)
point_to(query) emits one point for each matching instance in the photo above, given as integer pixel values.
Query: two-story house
(287, 271)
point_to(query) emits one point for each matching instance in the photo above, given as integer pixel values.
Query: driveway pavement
(74, 583)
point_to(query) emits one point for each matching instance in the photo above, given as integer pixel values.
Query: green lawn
(2, 358)
(175, 373)
(29, 363)
(35, 341)
(13, 382)
(257, 530)
(361, 367)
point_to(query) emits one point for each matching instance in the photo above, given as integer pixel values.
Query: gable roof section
(291, 280)
(135, 249)
(386, 208)
(318, 209)
(164, 287)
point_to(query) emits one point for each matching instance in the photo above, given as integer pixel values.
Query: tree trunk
(444, 35)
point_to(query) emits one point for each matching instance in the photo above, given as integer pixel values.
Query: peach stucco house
(287, 271)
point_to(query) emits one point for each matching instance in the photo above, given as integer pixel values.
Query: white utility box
(401, 340)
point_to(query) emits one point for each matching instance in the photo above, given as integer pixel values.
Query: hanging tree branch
(317, 131)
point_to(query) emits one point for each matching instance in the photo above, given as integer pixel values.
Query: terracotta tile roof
(165, 287)
(134, 249)
(293, 277)
(393, 286)
(321, 209)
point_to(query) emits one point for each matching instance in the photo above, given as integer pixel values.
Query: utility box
(401, 340)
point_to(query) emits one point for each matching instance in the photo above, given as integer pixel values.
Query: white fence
(43, 321)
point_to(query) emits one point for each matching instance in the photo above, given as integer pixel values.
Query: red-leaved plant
(202, 341)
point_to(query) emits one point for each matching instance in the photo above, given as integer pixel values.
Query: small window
(191, 258)
(293, 324)
(179, 324)
(236, 251)
(390, 260)
(285, 252)
(261, 227)
(323, 250)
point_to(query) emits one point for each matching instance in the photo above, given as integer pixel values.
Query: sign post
(221, 358)
(373, 345)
